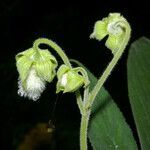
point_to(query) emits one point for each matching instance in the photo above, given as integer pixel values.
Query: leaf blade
(139, 88)
(104, 133)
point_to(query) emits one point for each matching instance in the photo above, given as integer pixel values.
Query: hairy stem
(111, 65)
(83, 131)
(54, 46)
(89, 100)
(65, 59)
(79, 101)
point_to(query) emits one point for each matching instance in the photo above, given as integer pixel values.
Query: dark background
(69, 24)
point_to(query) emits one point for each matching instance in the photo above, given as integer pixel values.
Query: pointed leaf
(139, 88)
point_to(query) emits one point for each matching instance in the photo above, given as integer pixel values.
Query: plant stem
(88, 100)
(79, 101)
(111, 65)
(61, 53)
(83, 131)
(54, 46)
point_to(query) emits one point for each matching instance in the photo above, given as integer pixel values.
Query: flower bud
(113, 26)
(35, 69)
(69, 80)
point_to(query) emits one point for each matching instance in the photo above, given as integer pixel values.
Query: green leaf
(108, 129)
(139, 88)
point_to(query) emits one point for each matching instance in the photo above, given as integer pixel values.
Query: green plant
(107, 128)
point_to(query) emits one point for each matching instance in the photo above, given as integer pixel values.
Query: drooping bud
(114, 27)
(35, 69)
(69, 80)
